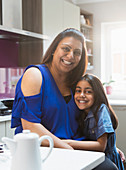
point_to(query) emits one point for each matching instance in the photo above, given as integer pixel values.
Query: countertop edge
(5, 118)
(117, 102)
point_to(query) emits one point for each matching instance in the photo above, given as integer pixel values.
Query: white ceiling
(89, 1)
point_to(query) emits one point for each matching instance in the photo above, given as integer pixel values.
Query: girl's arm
(31, 85)
(98, 145)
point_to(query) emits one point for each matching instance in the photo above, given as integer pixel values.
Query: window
(113, 57)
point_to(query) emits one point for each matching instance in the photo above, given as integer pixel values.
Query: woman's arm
(31, 85)
(98, 145)
(41, 130)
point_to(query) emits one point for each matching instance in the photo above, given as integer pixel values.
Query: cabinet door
(71, 16)
(0, 12)
(52, 19)
(120, 132)
(11, 13)
(8, 131)
(2, 130)
(30, 52)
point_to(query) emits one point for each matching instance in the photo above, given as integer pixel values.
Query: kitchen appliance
(6, 107)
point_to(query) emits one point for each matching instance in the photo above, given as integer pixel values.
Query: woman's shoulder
(34, 71)
(31, 81)
(32, 74)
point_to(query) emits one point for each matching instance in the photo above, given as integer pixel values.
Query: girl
(97, 121)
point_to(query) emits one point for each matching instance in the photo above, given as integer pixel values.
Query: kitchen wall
(113, 11)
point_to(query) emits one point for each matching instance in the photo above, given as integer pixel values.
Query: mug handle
(51, 144)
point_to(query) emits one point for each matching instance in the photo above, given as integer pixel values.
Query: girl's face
(84, 95)
(67, 55)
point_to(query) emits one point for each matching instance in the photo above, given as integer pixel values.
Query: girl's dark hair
(99, 98)
(78, 71)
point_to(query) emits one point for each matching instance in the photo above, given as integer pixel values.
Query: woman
(44, 100)
(42, 90)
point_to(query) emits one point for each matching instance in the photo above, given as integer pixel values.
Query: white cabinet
(2, 130)
(5, 127)
(71, 16)
(58, 15)
(121, 129)
(8, 131)
(52, 19)
(11, 13)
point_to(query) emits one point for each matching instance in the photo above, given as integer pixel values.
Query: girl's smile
(84, 95)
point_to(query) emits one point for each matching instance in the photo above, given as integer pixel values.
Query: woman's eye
(66, 49)
(77, 53)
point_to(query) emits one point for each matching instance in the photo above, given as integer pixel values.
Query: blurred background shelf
(86, 27)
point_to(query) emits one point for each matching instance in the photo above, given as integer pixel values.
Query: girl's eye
(88, 92)
(77, 91)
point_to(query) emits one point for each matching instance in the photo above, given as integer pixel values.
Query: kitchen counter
(117, 102)
(5, 118)
(5, 127)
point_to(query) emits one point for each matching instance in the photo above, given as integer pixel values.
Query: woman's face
(67, 55)
(84, 95)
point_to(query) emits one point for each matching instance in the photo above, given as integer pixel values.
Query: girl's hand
(121, 154)
(67, 141)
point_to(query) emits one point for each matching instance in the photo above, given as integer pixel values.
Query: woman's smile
(66, 62)
(67, 54)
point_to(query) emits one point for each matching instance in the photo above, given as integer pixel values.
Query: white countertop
(5, 118)
(64, 159)
(117, 102)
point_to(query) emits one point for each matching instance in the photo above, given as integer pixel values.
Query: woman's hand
(121, 154)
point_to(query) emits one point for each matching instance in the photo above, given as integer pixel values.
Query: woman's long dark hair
(99, 98)
(79, 70)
